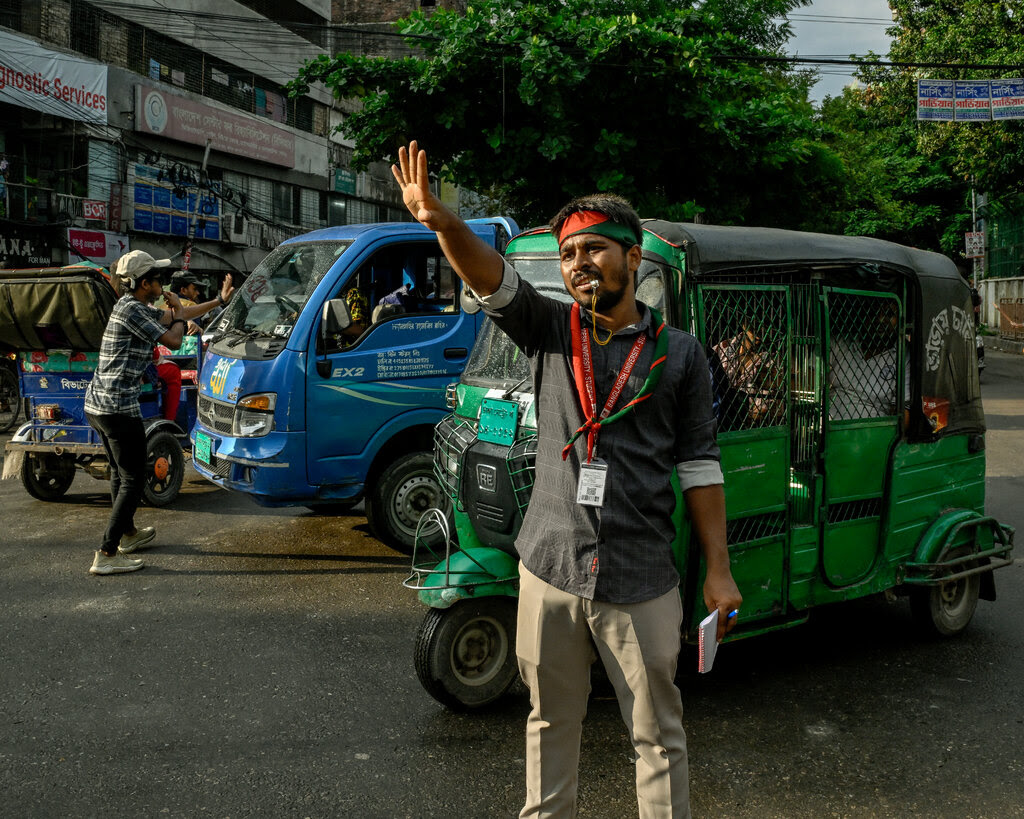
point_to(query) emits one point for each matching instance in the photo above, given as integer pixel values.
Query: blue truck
(325, 376)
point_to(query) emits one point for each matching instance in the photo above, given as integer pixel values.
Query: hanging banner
(935, 100)
(1007, 99)
(58, 84)
(972, 101)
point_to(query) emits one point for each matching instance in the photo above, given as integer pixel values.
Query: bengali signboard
(935, 100)
(100, 246)
(43, 80)
(1007, 99)
(972, 101)
(168, 115)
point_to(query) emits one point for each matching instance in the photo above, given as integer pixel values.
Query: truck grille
(216, 415)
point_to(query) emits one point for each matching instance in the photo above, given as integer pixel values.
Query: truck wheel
(946, 609)
(47, 477)
(165, 469)
(400, 495)
(466, 655)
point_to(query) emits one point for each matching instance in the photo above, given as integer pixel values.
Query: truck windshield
(268, 304)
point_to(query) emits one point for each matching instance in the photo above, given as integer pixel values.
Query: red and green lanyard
(583, 371)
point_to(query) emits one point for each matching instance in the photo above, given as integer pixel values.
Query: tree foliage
(663, 102)
(910, 180)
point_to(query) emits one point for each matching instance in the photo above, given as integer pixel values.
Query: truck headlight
(254, 415)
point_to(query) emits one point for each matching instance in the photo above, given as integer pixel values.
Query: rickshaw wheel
(165, 469)
(47, 477)
(946, 609)
(466, 654)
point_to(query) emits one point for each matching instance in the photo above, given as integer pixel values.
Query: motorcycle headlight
(254, 415)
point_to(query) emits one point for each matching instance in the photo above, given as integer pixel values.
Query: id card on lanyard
(593, 472)
(593, 477)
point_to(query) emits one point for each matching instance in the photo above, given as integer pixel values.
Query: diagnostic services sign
(34, 77)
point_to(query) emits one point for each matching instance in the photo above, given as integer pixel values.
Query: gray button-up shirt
(620, 552)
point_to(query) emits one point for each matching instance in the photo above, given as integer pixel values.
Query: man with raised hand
(614, 419)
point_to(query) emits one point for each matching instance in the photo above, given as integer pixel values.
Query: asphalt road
(261, 665)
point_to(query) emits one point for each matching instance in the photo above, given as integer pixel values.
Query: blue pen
(732, 614)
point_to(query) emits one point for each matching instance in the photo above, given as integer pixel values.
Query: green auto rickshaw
(851, 431)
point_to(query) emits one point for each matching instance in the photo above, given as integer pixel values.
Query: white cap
(134, 265)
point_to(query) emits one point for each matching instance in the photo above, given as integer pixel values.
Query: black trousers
(124, 439)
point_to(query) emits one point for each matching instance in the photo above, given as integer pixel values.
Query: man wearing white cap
(112, 399)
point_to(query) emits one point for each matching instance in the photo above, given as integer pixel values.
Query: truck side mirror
(335, 318)
(468, 301)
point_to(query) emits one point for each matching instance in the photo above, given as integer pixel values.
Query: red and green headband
(590, 221)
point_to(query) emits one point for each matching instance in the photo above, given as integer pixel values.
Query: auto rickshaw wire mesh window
(745, 331)
(865, 356)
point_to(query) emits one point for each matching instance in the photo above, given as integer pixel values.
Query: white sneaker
(129, 543)
(114, 564)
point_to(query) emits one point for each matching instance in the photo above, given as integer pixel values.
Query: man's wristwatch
(220, 298)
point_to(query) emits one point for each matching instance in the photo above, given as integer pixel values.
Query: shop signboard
(35, 77)
(94, 210)
(100, 246)
(171, 116)
(24, 245)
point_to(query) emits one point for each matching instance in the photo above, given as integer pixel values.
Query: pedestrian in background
(112, 398)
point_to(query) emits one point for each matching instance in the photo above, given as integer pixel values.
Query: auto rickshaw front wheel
(47, 476)
(466, 654)
(165, 469)
(946, 609)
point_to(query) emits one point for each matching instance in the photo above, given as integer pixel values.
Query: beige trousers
(639, 646)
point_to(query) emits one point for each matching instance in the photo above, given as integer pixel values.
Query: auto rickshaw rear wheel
(165, 469)
(46, 476)
(946, 609)
(466, 655)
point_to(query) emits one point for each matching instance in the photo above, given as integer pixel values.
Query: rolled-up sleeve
(698, 461)
(506, 291)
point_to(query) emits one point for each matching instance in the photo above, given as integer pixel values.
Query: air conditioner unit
(238, 230)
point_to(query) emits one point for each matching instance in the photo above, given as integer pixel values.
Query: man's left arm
(700, 478)
(706, 505)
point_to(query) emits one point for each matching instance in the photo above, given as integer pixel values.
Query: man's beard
(608, 299)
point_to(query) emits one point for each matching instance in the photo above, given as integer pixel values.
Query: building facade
(137, 125)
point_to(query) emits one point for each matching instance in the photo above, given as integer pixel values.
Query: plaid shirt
(126, 350)
(620, 552)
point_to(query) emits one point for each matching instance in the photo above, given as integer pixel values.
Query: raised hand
(412, 177)
(226, 289)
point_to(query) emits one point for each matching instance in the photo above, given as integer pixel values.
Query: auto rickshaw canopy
(942, 347)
